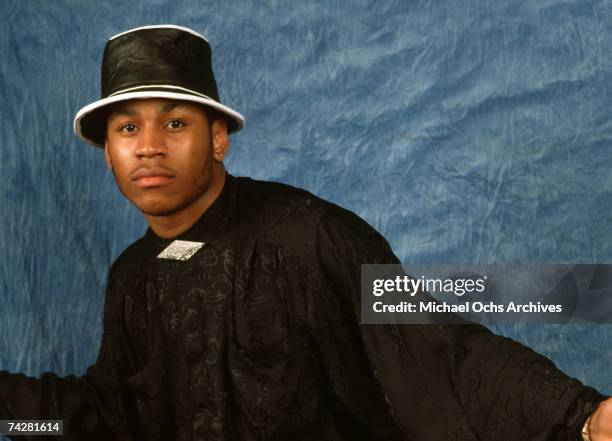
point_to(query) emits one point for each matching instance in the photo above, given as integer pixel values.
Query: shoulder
(268, 194)
(273, 200)
(296, 215)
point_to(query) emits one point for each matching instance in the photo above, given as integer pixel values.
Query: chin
(156, 208)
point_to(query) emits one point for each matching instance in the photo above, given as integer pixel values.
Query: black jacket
(257, 337)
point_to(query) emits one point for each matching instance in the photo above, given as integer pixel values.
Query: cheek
(195, 160)
(120, 164)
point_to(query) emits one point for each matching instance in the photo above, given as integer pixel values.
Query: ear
(107, 157)
(220, 140)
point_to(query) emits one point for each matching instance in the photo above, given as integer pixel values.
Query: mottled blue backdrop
(473, 131)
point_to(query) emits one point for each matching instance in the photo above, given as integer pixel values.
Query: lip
(152, 177)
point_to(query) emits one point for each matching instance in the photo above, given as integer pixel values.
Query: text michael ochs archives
(539, 293)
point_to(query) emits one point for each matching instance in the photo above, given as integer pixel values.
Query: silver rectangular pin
(180, 250)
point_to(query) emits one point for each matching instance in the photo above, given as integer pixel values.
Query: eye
(129, 128)
(176, 124)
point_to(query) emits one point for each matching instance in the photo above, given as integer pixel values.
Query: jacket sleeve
(450, 382)
(89, 405)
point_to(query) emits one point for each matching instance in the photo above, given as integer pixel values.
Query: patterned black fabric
(257, 337)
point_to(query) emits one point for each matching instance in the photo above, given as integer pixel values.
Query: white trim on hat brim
(152, 94)
(166, 26)
(160, 86)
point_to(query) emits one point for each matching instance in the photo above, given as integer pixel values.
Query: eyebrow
(126, 110)
(170, 106)
(122, 111)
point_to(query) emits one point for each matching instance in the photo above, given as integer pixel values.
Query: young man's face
(162, 154)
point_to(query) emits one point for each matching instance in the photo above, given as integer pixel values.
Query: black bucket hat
(161, 61)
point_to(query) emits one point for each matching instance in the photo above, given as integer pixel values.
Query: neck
(169, 226)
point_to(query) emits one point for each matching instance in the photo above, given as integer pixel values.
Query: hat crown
(149, 57)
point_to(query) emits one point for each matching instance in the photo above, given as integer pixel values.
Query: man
(235, 317)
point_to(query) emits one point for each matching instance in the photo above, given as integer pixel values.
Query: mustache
(157, 170)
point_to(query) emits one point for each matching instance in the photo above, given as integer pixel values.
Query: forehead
(153, 105)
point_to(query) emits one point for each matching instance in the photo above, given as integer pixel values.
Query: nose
(151, 143)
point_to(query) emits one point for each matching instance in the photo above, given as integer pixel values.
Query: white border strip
(166, 26)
